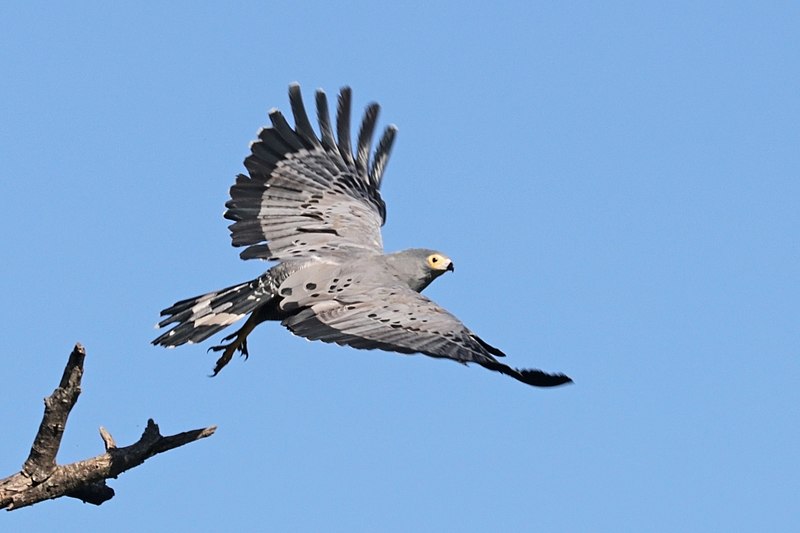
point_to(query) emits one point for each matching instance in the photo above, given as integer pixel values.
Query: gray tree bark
(41, 478)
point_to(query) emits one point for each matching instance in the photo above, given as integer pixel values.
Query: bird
(312, 205)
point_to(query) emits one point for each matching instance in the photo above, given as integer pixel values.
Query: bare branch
(42, 479)
(108, 440)
(42, 460)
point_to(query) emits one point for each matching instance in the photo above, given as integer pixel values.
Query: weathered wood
(42, 460)
(41, 478)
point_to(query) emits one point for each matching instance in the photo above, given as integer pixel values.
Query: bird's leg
(238, 342)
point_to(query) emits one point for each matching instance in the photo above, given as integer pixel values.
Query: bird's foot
(239, 342)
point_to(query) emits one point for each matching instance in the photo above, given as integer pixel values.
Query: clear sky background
(617, 183)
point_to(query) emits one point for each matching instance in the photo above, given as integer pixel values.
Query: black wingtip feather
(382, 154)
(536, 378)
(343, 123)
(270, 140)
(365, 136)
(301, 123)
(489, 348)
(324, 118)
(287, 134)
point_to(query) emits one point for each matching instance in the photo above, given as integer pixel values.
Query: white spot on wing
(201, 308)
(218, 319)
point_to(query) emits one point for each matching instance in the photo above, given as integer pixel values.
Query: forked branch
(41, 478)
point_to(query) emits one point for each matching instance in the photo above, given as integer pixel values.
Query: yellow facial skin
(439, 262)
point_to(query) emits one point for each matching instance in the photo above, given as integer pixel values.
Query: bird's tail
(202, 316)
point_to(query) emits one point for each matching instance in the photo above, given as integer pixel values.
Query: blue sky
(616, 182)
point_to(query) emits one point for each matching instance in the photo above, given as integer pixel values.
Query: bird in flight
(312, 204)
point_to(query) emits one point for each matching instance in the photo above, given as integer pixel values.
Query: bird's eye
(436, 261)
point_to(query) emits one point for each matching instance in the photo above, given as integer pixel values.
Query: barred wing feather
(306, 196)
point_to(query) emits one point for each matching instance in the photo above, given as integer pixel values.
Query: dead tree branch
(42, 479)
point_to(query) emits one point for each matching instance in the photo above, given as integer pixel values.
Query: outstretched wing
(398, 319)
(308, 196)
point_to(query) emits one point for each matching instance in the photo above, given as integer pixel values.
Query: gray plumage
(313, 206)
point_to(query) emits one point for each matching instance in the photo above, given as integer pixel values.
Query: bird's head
(419, 266)
(438, 263)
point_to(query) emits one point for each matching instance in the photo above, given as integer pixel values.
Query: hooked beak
(451, 267)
